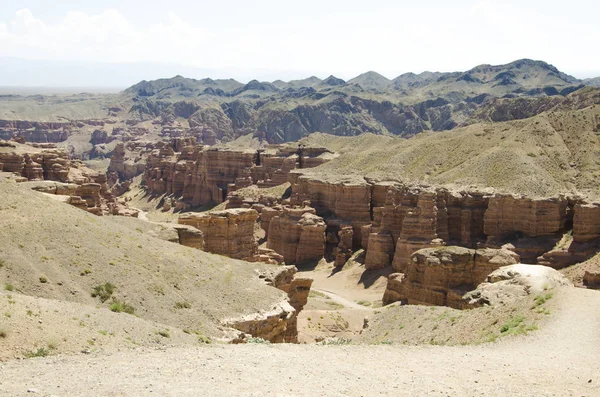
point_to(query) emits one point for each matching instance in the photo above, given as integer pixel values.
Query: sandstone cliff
(229, 232)
(441, 276)
(297, 234)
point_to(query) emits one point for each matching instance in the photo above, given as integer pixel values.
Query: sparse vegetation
(40, 352)
(121, 307)
(103, 292)
(8, 287)
(541, 299)
(183, 305)
(257, 341)
(335, 341)
(3, 333)
(43, 279)
(164, 334)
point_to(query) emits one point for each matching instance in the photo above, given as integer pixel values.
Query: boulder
(513, 281)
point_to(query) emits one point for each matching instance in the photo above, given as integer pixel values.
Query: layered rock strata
(228, 232)
(297, 234)
(199, 175)
(392, 220)
(441, 276)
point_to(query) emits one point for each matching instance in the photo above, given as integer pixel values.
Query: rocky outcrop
(228, 232)
(124, 167)
(533, 226)
(297, 288)
(279, 324)
(343, 251)
(591, 279)
(198, 175)
(297, 234)
(441, 276)
(272, 325)
(510, 282)
(33, 131)
(586, 223)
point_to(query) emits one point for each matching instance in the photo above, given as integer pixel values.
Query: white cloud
(389, 36)
(107, 37)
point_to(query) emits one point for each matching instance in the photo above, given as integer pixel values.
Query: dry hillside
(56, 251)
(555, 152)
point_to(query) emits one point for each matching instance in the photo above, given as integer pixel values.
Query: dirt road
(559, 360)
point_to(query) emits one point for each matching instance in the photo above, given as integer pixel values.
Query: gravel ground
(559, 360)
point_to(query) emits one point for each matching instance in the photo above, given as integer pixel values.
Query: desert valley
(434, 234)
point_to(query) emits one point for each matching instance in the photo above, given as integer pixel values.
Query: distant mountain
(371, 80)
(409, 104)
(182, 86)
(332, 81)
(295, 84)
(411, 80)
(594, 82)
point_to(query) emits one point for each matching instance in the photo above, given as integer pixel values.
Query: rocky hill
(287, 111)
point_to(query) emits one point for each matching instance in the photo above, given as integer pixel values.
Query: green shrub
(258, 341)
(43, 279)
(121, 307)
(512, 323)
(183, 305)
(8, 287)
(164, 334)
(103, 291)
(41, 352)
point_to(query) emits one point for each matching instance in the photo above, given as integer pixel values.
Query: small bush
(41, 352)
(335, 342)
(8, 287)
(103, 291)
(2, 263)
(204, 339)
(258, 341)
(512, 323)
(121, 307)
(43, 279)
(3, 333)
(164, 334)
(541, 299)
(183, 305)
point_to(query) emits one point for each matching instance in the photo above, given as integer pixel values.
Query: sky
(110, 42)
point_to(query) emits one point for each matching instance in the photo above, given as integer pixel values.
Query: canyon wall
(441, 276)
(297, 234)
(198, 175)
(229, 232)
(392, 220)
(86, 188)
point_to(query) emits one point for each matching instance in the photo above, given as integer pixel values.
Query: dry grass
(565, 144)
(148, 274)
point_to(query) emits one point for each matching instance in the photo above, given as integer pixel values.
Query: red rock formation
(591, 279)
(286, 279)
(441, 276)
(229, 232)
(297, 234)
(586, 223)
(124, 167)
(203, 175)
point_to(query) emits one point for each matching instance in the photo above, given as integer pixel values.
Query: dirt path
(343, 301)
(559, 360)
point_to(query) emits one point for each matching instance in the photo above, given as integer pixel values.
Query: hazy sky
(273, 39)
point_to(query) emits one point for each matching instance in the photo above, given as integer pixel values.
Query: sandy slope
(559, 360)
